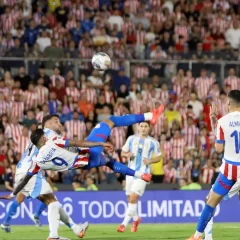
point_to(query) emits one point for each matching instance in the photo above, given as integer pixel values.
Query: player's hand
(7, 197)
(213, 110)
(108, 147)
(146, 161)
(130, 155)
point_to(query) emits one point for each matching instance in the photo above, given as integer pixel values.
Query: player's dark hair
(234, 95)
(36, 136)
(47, 118)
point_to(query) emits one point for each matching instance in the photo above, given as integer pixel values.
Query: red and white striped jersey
(10, 2)
(158, 128)
(86, 52)
(60, 78)
(13, 131)
(7, 43)
(132, 4)
(169, 174)
(31, 98)
(40, 116)
(177, 146)
(136, 106)
(207, 174)
(21, 143)
(219, 23)
(16, 91)
(215, 93)
(17, 109)
(116, 158)
(16, 14)
(37, 18)
(4, 107)
(42, 94)
(119, 136)
(75, 128)
(227, 133)
(71, 24)
(128, 26)
(181, 31)
(222, 107)
(91, 95)
(190, 134)
(203, 85)
(141, 71)
(166, 147)
(164, 96)
(140, 35)
(232, 81)
(155, 3)
(58, 30)
(108, 96)
(73, 92)
(78, 12)
(7, 22)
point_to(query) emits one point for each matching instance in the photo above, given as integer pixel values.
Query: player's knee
(133, 198)
(47, 198)
(20, 197)
(214, 199)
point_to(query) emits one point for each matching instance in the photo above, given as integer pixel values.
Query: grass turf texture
(223, 231)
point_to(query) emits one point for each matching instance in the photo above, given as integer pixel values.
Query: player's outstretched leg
(78, 229)
(130, 119)
(12, 210)
(36, 215)
(221, 187)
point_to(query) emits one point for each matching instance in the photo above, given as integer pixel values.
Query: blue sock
(40, 209)
(127, 120)
(12, 210)
(205, 217)
(118, 167)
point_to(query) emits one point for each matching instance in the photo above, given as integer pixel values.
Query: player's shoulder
(152, 139)
(233, 116)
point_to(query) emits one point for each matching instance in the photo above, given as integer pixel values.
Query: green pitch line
(223, 231)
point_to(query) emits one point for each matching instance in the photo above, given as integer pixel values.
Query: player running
(228, 140)
(142, 150)
(39, 188)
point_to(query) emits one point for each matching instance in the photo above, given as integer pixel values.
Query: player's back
(54, 156)
(229, 133)
(31, 150)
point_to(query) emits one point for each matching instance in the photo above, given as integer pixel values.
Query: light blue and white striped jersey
(31, 150)
(141, 148)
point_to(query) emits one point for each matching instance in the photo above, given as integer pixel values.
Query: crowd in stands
(151, 29)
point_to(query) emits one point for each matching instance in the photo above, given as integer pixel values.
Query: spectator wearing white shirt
(43, 41)
(232, 35)
(116, 19)
(96, 80)
(196, 104)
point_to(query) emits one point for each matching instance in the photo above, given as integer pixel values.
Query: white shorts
(234, 190)
(36, 186)
(135, 185)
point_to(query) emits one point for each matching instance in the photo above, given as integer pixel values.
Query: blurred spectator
(233, 35)
(119, 79)
(191, 186)
(77, 187)
(23, 78)
(3, 165)
(91, 184)
(170, 173)
(9, 177)
(207, 172)
(16, 50)
(62, 13)
(43, 41)
(196, 105)
(30, 119)
(31, 33)
(53, 103)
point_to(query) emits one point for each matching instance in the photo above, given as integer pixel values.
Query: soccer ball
(101, 61)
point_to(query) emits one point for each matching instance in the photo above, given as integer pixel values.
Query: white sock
(65, 218)
(134, 211)
(138, 174)
(198, 234)
(128, 216)
(148, 116)
(53, 219)
(208, 229)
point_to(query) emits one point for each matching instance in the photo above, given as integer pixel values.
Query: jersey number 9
(59, 162)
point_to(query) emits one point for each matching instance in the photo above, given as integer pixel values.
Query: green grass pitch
(223, 231)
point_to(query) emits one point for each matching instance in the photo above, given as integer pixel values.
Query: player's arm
(126, 150)
(157, 155)
(219, 143)
(87, 144)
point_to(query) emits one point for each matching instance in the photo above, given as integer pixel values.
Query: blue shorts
(99, 134)
(222, 185)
